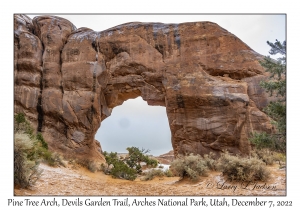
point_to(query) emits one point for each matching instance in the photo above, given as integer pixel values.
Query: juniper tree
(277, 84)
(128, 167)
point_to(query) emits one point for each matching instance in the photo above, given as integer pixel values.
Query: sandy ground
(80, 181)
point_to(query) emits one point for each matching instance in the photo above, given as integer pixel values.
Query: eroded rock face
(28, 52)
(205, 76)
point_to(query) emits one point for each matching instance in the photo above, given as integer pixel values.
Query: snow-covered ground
(163, 167)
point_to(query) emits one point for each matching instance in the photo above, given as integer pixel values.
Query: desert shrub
(40, 138)
(40, 147)
(192, 174)
(150, 161)
(92, 166)
(136, 156)
(168, 173)
(19, 118)
(262, 140)
(280, 157)
(86, 163)
(210, 161)
(117, 168)
(44, 154)
(58, 159)
(269, 157)
(26, 157)
(127, 167)
(48, 157)
(111, 158)
(266, 155)
(55, 159)
(149, 175)
(104, 168)
(269, 141)
(242, 169)
(191, 166)
(121, 170)
(21, 125)
(26, 171)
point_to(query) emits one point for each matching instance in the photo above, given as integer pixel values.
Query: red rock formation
(205, 76)
(28, 52)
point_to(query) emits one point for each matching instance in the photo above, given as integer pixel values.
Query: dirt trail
(68, 181)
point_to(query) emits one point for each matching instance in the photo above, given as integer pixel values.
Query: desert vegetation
(191, 166)
(127, 167)
(29, 150)
(276, 110)
(26, 171)
(234, 168)
(237, 168)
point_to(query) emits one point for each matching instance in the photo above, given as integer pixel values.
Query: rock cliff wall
(68, 80)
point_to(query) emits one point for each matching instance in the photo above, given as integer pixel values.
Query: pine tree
(277, 84)
(277, 69)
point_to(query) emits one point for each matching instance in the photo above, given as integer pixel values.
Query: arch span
(205, 76)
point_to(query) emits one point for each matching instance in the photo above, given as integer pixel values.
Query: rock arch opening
(135, 123)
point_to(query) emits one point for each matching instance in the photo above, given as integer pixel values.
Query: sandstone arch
(205, 76)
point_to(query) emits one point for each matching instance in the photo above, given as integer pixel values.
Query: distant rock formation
(166, 158)
(68, 80)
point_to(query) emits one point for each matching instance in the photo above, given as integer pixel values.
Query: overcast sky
(135, 123)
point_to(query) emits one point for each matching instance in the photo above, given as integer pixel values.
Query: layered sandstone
(206, 77)
(28, 51)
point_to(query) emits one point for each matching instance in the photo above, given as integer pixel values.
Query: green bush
(40, 138)
(136, 156)
(269, 141)
(262, 140)
(127, 167)
(150, 162)
(26, 171)
(117, 168)
(191, 166)
(21, 125)
(242, 169)
(121, 170)
(19, 118)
